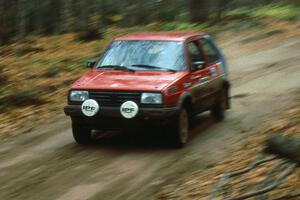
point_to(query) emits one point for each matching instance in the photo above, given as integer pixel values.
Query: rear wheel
(180, 128)
(218, 110)
(81, 134)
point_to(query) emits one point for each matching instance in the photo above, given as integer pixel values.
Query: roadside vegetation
(36, 71)
(202, 184)
(272, 11)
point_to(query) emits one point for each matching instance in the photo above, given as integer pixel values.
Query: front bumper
(114, 112)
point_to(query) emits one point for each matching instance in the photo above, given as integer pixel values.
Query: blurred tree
(222, 5)
(55, 16)
(1, 22)
(8, 25)
(22, 10)
(199, 11)
(89, 18)
(66, 17)
(39, 7)
(84, 15)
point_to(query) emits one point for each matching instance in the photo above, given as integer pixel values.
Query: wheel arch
(226, 85)
(185, 101)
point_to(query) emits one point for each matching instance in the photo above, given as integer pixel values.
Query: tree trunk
(39, 16)
(84, 17)
(22, 6)
(199, 10)
(66, 19)
(126, 12)
(221, 7)
(1, 23)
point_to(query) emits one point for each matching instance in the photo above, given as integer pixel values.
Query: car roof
(161, 36)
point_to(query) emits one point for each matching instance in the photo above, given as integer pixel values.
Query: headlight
(78, 95)
(151, 98)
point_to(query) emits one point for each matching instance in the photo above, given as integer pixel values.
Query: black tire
(218, 110)
(81, 134)
(228, 99)
(180, 129)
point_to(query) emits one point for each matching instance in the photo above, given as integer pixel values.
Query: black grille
(114, 98)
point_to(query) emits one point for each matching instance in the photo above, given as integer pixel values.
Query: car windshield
(144, 55)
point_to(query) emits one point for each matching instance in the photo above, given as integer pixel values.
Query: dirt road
(47, 164)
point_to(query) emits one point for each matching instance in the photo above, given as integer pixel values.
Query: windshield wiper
(154, 67)
(115, 67)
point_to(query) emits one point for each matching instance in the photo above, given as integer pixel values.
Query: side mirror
(91, 63)
(199, 64)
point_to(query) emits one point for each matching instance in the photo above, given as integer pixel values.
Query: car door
(199, 77)
(214, 67)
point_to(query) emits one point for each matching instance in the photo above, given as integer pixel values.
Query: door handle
(195, 77)
(204, 80)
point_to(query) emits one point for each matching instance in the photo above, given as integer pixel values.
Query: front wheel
(180, 128)
(81, 134)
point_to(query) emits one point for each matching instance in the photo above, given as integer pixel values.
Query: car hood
(123, 80)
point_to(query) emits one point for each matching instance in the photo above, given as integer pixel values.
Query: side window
(210, 51)
(195, 54)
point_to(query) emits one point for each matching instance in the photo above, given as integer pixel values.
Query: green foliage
(276, 11)
(97, 48)
(183, 26)
(152, 27)
(113, 32)
(271, 11)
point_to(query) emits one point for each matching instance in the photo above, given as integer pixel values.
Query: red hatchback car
(163, 77)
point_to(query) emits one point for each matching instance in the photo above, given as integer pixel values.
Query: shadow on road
(151, 138)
